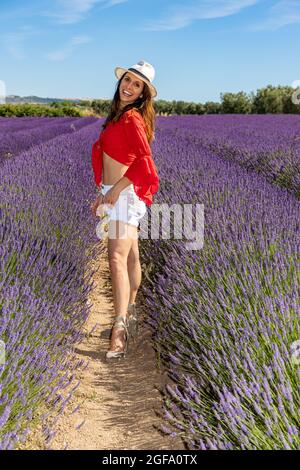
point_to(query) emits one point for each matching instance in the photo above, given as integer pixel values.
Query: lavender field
(19, 134)
(47, 236)
(224, 318)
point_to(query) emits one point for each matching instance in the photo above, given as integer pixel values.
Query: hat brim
(120, 70)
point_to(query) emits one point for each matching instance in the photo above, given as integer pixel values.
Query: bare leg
(134, 271)
(118, 250)
(117, 255)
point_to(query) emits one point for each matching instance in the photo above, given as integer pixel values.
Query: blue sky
(199, 48)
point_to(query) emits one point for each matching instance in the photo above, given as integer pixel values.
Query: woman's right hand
(96, 203)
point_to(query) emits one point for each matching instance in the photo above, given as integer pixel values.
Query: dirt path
(119, 401)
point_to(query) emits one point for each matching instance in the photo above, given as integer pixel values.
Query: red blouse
(126, 141)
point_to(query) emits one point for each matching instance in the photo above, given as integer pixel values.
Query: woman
(125, 171)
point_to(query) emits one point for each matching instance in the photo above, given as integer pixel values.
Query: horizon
(70, 47)
(87, 99)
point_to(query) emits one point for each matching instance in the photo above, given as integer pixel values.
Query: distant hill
(36, 99)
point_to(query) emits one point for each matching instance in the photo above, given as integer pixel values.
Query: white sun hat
(143, 70)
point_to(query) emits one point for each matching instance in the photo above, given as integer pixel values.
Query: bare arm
(96, 203)
(122, 183)
(113, 193)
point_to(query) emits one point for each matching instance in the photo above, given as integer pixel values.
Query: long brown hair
(143, 105)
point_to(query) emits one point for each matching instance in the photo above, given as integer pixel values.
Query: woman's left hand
(111, 196)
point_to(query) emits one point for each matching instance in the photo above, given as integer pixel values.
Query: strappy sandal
(133, 321)
(122, 323)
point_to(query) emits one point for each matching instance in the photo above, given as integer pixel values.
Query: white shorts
(128, 208)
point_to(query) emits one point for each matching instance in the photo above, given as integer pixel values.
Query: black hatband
(139, 73)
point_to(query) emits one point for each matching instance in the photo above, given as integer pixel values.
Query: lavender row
(267, 144)
(225, 318)
(13, 142)
(12, 125)
(47, 238)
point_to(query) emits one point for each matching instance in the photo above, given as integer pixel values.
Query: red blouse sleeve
(142, 171)
(97, 161)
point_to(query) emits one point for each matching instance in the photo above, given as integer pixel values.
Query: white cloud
(281, 14)
(15, 42)
(112, 3)
(182, 15)
(61, 11)
(73, 11)
(69, 48)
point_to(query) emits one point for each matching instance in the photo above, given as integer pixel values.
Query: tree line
(33, 109)
(280, 99)
(270, 99)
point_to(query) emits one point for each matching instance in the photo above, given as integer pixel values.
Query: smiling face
(133, 86)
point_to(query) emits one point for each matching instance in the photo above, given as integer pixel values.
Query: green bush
(30, 109)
